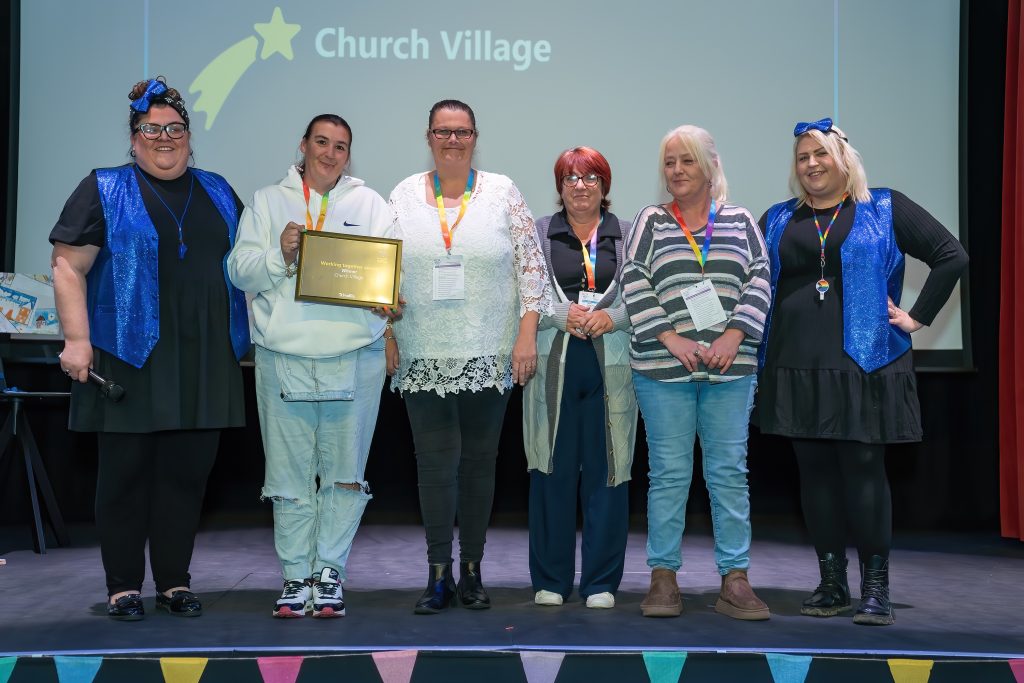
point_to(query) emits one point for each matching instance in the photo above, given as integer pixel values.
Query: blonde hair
(699, 143)
(847, 159)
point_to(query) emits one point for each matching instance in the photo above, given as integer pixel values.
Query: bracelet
(388, 327)
(290, 270)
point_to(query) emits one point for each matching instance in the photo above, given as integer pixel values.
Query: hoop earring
(192, 156)
(132, 153)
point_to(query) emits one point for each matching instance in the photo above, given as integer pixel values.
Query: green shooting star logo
(218, 78)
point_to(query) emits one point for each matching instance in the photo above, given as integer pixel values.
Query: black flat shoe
(126, 608)
(180, 604)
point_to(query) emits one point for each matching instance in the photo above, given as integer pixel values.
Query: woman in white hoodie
(319, 368)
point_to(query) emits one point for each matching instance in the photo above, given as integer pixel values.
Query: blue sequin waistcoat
(123, 285)
(868, 338)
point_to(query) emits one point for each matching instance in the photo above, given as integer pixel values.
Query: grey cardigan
(542, 397)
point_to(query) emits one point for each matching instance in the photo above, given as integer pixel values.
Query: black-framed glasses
(460, 133)
(589, 180)
(152, 131)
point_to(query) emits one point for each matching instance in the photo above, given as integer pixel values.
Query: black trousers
(456, 439)
(844, 486)
(150, 487)
(579, 470)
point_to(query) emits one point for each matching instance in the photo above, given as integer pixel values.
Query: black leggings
(456, 439)
(150, 486)
(843, 485)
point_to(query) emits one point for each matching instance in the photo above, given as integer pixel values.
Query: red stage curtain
(1011, 306)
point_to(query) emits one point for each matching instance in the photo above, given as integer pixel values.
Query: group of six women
(593, 316)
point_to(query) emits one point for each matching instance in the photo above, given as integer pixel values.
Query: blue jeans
(674, 413)
(317, 435)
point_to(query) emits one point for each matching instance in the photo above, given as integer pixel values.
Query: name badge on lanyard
(449, 278)
(704, 305)
(590, 299)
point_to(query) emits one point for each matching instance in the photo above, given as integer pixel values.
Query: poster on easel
(27, 305)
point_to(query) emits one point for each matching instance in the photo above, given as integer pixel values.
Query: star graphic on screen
(277, 35)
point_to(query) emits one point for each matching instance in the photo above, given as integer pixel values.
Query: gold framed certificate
(348, 270)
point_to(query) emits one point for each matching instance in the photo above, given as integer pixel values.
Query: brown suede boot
(737, 598)
(663, 598)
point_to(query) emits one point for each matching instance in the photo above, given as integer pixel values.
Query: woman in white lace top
(474, 280)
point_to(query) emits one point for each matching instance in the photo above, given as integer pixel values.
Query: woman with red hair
(579, 412)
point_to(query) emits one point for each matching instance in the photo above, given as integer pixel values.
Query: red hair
(585, 160)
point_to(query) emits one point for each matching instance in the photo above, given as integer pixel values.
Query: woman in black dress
(143, 300)
(837, 376)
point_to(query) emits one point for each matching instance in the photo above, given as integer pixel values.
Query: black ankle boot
(875, 608)
(439, 592)
(832, 596)
(471, 588)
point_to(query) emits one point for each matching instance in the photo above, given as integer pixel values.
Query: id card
(449, 278)
(704, 305)
(590, 299)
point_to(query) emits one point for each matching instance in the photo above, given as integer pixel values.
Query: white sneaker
(601, 601)
(294, 600)
(328, 599)
(547, 598)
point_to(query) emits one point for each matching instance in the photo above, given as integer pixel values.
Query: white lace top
(466, 345)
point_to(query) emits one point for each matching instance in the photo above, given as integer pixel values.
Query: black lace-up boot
(832, 596)
(439, 592)
(875, 608)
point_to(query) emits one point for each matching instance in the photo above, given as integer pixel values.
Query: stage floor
(955, 595)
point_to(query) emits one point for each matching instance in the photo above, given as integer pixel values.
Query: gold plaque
(349, 270)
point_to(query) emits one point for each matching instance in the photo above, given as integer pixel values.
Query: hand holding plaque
(348, 270)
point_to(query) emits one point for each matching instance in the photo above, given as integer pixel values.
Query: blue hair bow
(153, 88)
(824, 125)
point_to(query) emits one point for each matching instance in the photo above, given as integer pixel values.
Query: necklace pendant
(181, 251)
(822, 287)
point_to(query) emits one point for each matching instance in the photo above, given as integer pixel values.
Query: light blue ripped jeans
(317, 417)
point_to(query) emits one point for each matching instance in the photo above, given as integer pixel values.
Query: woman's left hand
(902, 319)
(722, 352)
(524, 358)
(596, 323)
(391, 355)
(389, 312)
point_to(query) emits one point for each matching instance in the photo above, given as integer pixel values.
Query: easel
(17, 428)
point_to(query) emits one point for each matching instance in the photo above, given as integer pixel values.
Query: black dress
(809, 386)
(191, 380)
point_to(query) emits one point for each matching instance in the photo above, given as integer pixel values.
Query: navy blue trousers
(580, 465)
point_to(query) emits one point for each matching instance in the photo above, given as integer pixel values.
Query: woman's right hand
(576, 319)
(290, 237)
(686, 351)
(76, 359)
(391, 356)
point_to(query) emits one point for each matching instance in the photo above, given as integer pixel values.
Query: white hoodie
(256, 265)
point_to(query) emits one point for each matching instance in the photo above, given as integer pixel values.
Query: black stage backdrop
(949, 481)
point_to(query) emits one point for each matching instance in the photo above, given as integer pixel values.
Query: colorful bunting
(182, 669)
(1016, 666)
(395, 666)
(279, 669)
(77, 669)
(664, 667)
(910, 670)
(541, 667)
(6, 667)
(788, 668)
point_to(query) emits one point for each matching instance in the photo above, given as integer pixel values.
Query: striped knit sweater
(660, 264)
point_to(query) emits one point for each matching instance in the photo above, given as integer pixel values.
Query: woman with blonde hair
(696, 289)
(836, 374)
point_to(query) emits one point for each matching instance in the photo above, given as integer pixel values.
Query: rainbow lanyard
(323, 209)
(590, 258)
(821, 286)
(702, 253)
(447, 232)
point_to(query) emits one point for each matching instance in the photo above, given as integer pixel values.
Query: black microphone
(108, 388)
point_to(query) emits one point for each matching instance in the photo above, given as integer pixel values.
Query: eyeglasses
(589, 180)
(152, 131)
(460, 133)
